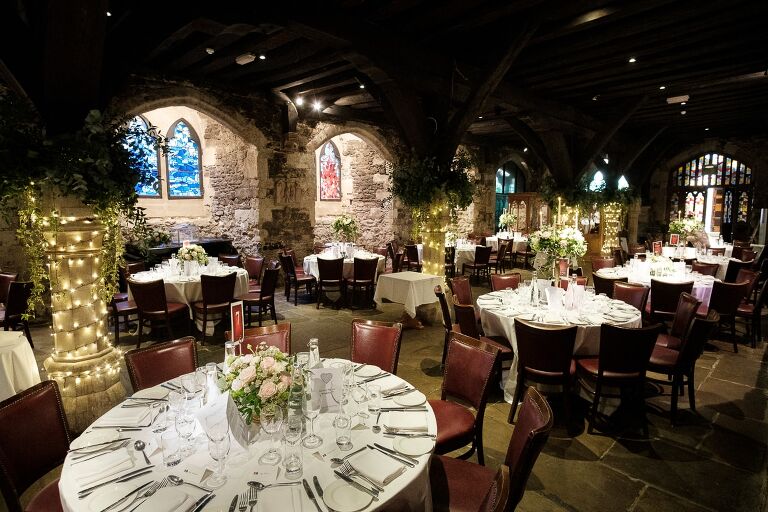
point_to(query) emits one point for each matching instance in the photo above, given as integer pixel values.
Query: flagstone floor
(714, 460)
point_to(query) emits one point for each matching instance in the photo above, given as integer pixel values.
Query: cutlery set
(143, 492)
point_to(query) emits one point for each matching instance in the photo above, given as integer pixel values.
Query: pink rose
(285, 378)
(268, 389)
(267, 363)
(247, 374)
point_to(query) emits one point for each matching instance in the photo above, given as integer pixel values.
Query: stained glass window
(145, 154)
(183, 157)
(330, 173)
(727, 209)
(743, 206)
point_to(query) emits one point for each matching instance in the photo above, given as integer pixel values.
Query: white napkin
(390, 383)
(554, 298)
(407, 421)
(169, 499)
(103, 467)
(279, 498)
(377, 466)
(126, 417)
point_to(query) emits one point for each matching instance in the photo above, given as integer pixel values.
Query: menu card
(237, 320)
(327, 385)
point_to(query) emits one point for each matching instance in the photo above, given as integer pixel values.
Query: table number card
(224, 406)
(237, 320)
(657, 248)
(327, 385)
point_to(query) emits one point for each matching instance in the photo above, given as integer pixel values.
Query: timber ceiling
(570, 65)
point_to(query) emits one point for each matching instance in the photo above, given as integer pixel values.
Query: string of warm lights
(610, 223)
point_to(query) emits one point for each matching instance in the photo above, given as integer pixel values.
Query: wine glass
(271, 421)
(294, 427)
(359, 395)
(311, 410)
(218, 449)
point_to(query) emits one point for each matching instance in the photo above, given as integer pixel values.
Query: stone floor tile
(655, 500)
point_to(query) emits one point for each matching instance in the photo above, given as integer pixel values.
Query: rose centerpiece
(690, 229)
(257, 380)
(193, 252)
(507, 219)
(345, 228)
(551, 243)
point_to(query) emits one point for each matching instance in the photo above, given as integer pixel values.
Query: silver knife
(202, 502)
(398, 459)
(233, 506)
(122, 478)
(376, 377)
(98, 444)
(393, 452)
(138, 489)
(359, 487)
(318, 487)
(310, 494)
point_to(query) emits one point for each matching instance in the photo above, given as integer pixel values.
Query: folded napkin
(394, 389)
(280, 498)
(169, 499)
(103, 467)
(553, 318)
(407, 421)
(390, 384)
(378, 467)
(126, 417)
(618, 314)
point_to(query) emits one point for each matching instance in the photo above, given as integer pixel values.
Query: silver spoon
(337, 460)
(175, 480)
(139, 445)
(376, 428)
(260, 486)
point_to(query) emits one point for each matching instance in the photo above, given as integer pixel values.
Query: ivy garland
(583, 197)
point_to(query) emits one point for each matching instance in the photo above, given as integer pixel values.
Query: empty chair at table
(450, 261)
(600, 263)
(277, 335)
(685, 312)
(664, 297)
(376, 343)
(605, 284)
(752, 315)
(153, 307)
(153, 365)
(218, 294)
(34, 439)
(6, 278)
(497, 260)
(466, 325)
(413, 262)
(732, 271)
(750, 278)
(725, 299)
(447, 322)
(480, 267)
(635, 295)
(295, 280)
(122, 308)
(705, 269)
(254, 265)
(263, 300)
(462, 485)
(363, 277)
(233, 260)
(580, 281)
(16, 307)
(505, 281)
(330, 278)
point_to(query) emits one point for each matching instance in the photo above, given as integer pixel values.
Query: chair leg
(516, 398)
(691, 391)
(641, 404)
(445, 348)
(479, 444)
(673, 405)
(141, 330)
(319, 294)
(274, 312)
(205, 325)
(733, 335)
(593, 409)
(168, 327)
(27, 333)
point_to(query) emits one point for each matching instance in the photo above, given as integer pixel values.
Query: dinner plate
(368, 370)
(411, 399)
(92, 438)
(154, 393)
(413, 446)
(342, 497)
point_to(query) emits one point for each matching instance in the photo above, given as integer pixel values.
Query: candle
(185, 243)
(559, 207)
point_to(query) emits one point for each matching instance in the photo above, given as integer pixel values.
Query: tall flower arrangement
(687, 226)
(551, 242)
(507, 219)
(345, 228)
(193, 252)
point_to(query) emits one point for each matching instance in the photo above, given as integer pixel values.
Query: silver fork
(253, 497)
(152, 489)
(347, 469)
(243, 503)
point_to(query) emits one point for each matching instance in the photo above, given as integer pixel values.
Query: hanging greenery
(581, 195)
(99, 164)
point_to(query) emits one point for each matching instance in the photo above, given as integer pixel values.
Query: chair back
(376, 343)
(391, 252)
(330, 270)
(365, 269)
(277, 335)
(732, 271)
(218, 289)
(447, 323)
(534, 423)
(18, 298)
(726, 297)
(465, 319)
(34, 439)
(503, 249)
(450, 255)
(598, 263)
(717, 251)
(269, 281)
(504, 281)
(698, 335)
(412, 252)
(482, 254)
(618, 256)
(705, 269)
(149, 295)
(497, 499)
(750, 277)
(635, 295)
(233, 260)
(685, 311)
(748, 255)
(625, 352)
(665, 296)
(288, 268)
(546, 349)
(468, 382)
(461, 289)
(5, 284)
(580, 281)
(397, 262)
(605, 284)
(254, 265)
(153, 365)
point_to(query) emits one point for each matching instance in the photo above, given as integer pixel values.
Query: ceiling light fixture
(210, 51)
(684, 103)
(683, 112)
(662, 87)
(706, 129)
(109, 13)
(479, 117)
(245, 58)
(299, 101)
(317, 106)
(262, 56)
(525, 150)
(362, 86)
(632, 60)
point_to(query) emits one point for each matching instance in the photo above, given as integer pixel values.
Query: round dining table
(18, 368)
(702, 285)
(499, 309)
(408, 490)
(311, 267)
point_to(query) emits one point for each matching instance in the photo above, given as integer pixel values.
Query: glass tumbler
(342, 423)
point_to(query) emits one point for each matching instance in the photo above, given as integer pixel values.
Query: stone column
(633, 218)
(433, 237)
(83, 362)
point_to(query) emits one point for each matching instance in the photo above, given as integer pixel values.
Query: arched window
(145, 155)
(717, 190)
(330, 173)
(509, 180)
(598, 182)
(184, 164)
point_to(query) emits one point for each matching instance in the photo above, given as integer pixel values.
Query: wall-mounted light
(299, 101)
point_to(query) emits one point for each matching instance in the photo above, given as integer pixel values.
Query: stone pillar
(433, 230)
(633, 218)
(83, 363)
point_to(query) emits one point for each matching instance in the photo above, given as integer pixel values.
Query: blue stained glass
(183, 163)
(145, 153)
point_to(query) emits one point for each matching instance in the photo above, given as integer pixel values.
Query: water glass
(271, 422)
(171, 446)
(218, 450)
(185, 427)
(374, 398)
(342, 423)
(293, 458)
(302, 359)
(360, 395)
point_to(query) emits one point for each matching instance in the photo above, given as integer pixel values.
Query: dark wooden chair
(726, 299)
(504, 281)
(331, 278)
(460, 485)
(233, 260)
(465, 324)
(527, 254)
(295, 280)
(153, 307)
(732, 271)
(664, 298)
(255, 266)
(599, 263)
(480, 267)
(376, 343)
(153, 365)
(16, 306)
(705, 269)
(497, 260)
(264, 299)
(605, 284)
(456, 425)
(34, 439)
(461, 289)
(685, 312)
(122, 308)
(450, 261)
(276, 335)
(363, 278)
(218, 294)
(447, 322)
(752, 315)
(6, 278)
(413, 262)
(716, 251)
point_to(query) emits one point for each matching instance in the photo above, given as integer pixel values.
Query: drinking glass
(175, 403)
(342, 423)
(271, 422)
(302, 359)
(201, 379)
(374, 398)
(311, 410)
(189, 383)
(185, 426)
(171, 446)
(218, 449)
(360, 395)
(292, 461)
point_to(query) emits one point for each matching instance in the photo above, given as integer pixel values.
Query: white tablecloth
(310, 265)
(518, 244)
(410, 491)
(679, 252)
(465, 254)
(412, 289)
(702, 285)
(499, 320)
(722, 261)
(18, 368)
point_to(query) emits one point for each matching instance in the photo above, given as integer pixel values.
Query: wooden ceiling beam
(287, 45)
(308, 69)
(203, 25)
(532, 141)
(631, 157)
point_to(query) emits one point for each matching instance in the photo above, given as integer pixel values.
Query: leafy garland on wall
(99, 164)
(583, 197)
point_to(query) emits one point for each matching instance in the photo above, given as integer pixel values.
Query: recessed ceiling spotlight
(109, 13)
(362, 86)
(684, 103)
(299, 101)
(262, 56)
(632, 60)
(706, 129)
(245, 58)
(595, 97)
(317, 106)
(479, 117)
(210, 51)
(682, 112)
(525, 150)
(662, 87)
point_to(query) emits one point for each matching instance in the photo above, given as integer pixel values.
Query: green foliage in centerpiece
(551, 242)
(686, 226)
(345, 228)
(193, 252)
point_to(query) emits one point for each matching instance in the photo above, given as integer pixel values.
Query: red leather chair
(277, 335)
(751, 278)
(544, 355)
(152, 305)
(254, 265)
(331, 278)
(459, 485)
(635, 295)
(447, 322)
(376, 343)
(13, 315)
(752, 313)
(34, 439)
(153, 365)
(622, 363)
(504, 281)
(680, 364)
(294, 279)
(687, 305)
(664, 298)
(456, 425)
(233, 260)
(461, 290)
(263, 300)
(581, 281)
(605, 284)
(705, 269)
(364, 277)
(465, 324)
(481, 266)
(599, 263)
(732, 271)
(218, 294)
